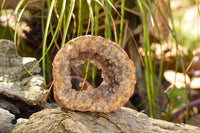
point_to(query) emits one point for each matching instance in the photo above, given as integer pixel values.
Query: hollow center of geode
(111, 73)
(77, 77)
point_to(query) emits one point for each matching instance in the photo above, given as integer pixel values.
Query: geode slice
(118, 73)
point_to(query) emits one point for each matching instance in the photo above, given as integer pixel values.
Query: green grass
(148, 60)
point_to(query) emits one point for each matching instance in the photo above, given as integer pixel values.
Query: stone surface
(7, 105)
(177, 78)
(21, 121)
(124, 120)
(5, 120)
(15, 82)
(195, 83)
(194, 120)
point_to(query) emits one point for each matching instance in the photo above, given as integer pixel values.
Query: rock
(194, 84)
(52, 105)
(118, 75)
(15, 81)
(194, 120)
(7, 105)
(29, 89)
(21, 121)
(12, 67)
(177, 78)
(5, 121)
(167, 51)
(124, 120)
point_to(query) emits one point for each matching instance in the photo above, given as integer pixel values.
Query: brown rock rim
(118, 73)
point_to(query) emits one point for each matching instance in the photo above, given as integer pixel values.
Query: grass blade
(18, 19)
(80, 30)
(54, 36)
(92, 33)
(108, 13)
(45, 40)
(122, 22)
(146, 42)
(3, 3)
(96, 19)
(80, 19)
(68, 22)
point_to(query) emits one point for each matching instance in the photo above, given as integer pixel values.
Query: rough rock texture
(7, 105)
(118, 73)
(124, 120)
(21, 121)
(5, 120)
(194, 120)
(15, 82)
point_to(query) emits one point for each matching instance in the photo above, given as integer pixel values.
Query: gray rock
(5, 121)
(15, 81)
(21, 121)
(124, 120)
(52, 105)
(13, 67)
(7, 105)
